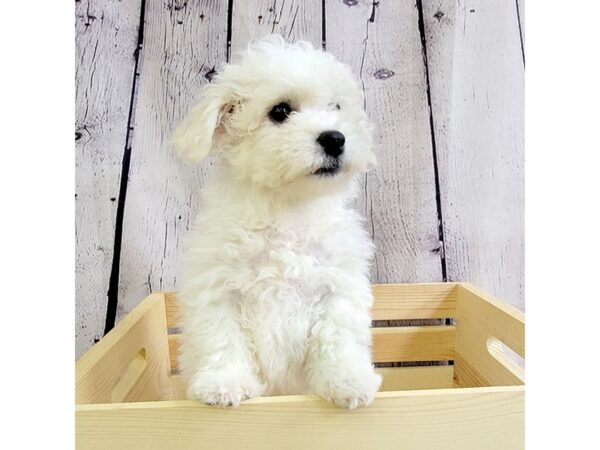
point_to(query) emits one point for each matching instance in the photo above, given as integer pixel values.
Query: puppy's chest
(286, 277)
(291, 264)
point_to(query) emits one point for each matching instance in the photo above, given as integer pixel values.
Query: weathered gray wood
(293, 19)
(520, 4)
(478, 121)
(476, 82)
(381, 42)
(183, 42)
(106, 39)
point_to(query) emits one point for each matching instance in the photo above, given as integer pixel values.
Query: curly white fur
(276, 296)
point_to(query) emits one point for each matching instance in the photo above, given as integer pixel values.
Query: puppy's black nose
(332, 142)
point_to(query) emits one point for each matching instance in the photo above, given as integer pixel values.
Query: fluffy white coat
(275, 295)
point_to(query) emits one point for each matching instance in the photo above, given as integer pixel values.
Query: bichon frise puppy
(275, 295)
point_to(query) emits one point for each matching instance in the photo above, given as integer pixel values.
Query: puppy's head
(286, 117)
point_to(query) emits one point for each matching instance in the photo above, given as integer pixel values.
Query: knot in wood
(384, 74)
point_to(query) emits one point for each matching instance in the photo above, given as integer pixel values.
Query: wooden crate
(129, 395)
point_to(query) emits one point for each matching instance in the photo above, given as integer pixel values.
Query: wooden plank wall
(477, 94)
(106, 44)
(443, 80)
(183, 43)
(381, 42)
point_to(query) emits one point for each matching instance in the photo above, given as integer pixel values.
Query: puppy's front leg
(339, 366)
(215, 358)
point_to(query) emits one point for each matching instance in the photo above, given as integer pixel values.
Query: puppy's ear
(193, 139)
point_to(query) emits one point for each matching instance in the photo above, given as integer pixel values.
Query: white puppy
(275, 295)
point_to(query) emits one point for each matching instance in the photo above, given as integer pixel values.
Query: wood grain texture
(105, 42)
(293, 19)
(390, 344)
(381, 42)
(414, 301)
(183, 43)
(394, 379)
(391, 302)
(415, 378)
(131, 363)
(480, 318)
(520, 5)
(451, 419)
(172, 309)
(477, 83)
(428, 414)
(424, 343)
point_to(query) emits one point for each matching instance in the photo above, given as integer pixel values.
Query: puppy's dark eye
(280, 112)
(337, 106)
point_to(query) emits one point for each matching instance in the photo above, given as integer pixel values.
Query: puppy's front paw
(224, 388)
(350, 390)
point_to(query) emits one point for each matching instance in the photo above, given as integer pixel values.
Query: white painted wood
(183, 42)
(520, 4)
(478, 120)
(105, 42)
(382, 44)
(476, 81)
(293, 19)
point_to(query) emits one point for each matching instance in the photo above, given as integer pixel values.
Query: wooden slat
(105, 42)
(477, 91)
(394, 379)
(413, 301)
(183, 43)
(131, 362)
(520, 4)
(392, 344)
(381, 43)
(479, 318)
(414, 378)
(450, 419)
(172, 309)
(293, 19)
(392, 302)
(429, 343)
(174, 342)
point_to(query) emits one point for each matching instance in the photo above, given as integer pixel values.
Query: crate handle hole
(505, 355)
(129, 377)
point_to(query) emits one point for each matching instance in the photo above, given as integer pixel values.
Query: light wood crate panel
(417, 407)
(465, 419)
